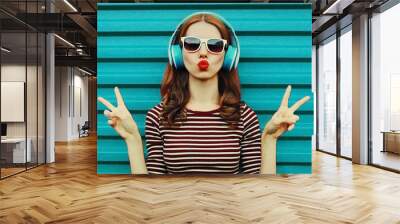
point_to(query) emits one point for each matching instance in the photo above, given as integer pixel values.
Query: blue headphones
(232, 55)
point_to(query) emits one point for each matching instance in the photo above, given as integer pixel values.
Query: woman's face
(191, 59)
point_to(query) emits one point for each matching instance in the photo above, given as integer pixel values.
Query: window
(385, 89)
(327, 95)
(346, 92)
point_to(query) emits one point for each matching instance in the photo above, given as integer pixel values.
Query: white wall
(33, 127)
(61, 103)
(16, 73)
(71, 94)
(80, 105)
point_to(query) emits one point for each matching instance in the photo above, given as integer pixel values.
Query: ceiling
(72, 20)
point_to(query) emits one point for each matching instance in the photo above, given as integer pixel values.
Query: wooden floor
(387, 159)
(8, 171)
(69, 191)
(5, 172)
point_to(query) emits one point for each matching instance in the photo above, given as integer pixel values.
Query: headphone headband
(233, 56)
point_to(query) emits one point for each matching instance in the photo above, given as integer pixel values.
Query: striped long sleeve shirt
(203, 143)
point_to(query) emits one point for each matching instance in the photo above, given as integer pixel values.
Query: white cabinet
(18, 145)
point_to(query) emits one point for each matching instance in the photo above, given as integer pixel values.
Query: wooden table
(391, 141)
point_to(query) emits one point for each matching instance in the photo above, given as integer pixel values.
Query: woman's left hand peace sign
(284, 118)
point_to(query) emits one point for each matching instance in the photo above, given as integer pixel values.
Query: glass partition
(22, 77)
(13, 94)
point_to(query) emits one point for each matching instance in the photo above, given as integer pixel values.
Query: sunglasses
(193, 44)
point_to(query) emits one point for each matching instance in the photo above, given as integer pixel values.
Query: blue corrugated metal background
(275, 51)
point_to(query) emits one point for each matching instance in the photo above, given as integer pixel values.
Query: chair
(84, 130)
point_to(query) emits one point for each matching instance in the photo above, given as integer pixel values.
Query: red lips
(203, 65)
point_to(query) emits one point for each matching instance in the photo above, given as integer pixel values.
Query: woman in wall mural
(201, 124)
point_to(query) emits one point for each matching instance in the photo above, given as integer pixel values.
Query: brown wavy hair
(175, 84)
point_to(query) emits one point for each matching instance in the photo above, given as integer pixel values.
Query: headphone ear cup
(177, 58)
(229, 60)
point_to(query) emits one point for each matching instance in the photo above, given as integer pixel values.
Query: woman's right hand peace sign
(119, 117)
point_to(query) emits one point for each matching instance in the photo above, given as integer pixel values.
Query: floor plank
(70, 191)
